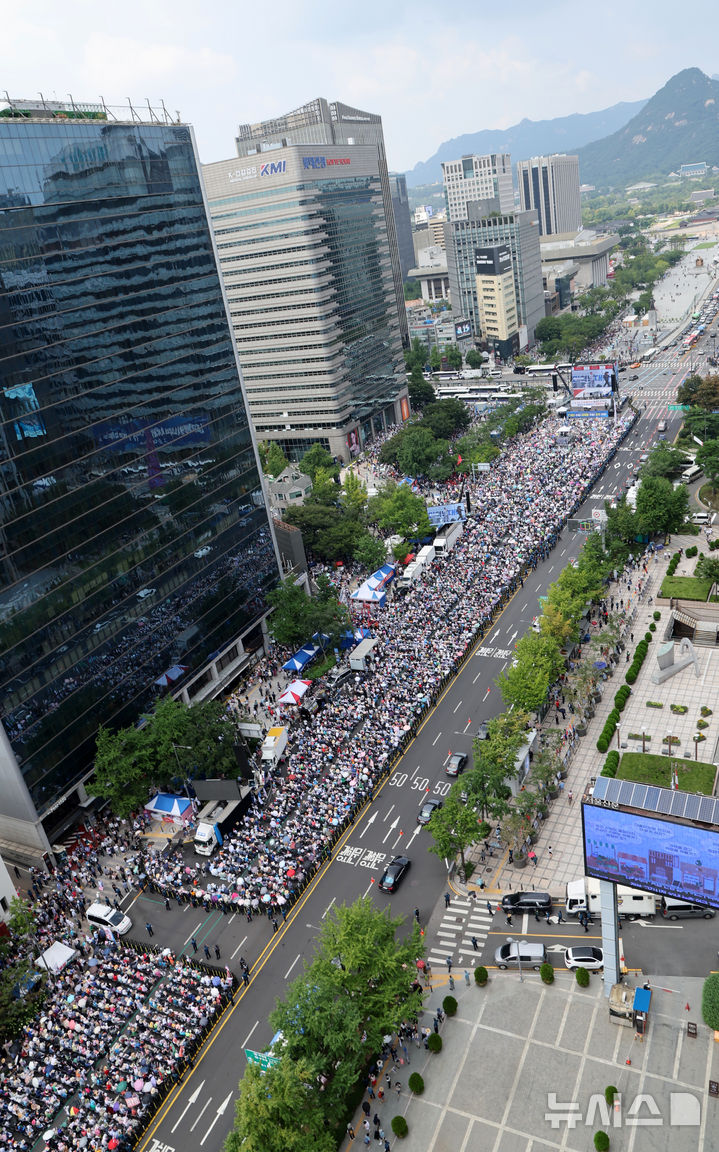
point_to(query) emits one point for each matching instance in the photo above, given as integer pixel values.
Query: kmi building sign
(271, 168)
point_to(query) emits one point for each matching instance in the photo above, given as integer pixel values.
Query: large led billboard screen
(590, 381)
(652, 854)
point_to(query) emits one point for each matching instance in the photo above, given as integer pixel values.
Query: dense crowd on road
(339, 752)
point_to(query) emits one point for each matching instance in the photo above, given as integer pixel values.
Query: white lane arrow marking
(391, 829)
(371, 820)
(192, 1100)
(220, 1112)
(416, 832)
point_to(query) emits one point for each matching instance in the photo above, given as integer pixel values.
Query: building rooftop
(21, 109)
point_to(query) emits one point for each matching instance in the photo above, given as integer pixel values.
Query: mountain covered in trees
(678, 125)
(528, 138)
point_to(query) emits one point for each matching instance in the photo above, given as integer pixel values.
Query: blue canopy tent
(352, 637)
(305, 655)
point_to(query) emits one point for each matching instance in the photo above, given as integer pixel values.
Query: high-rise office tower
(305, 255)
(402, 221)
(477, 178)
(516, 233)
(550, 185)
(322, 122)
(135, 545)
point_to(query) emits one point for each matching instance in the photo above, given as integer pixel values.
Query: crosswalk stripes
(453, 938)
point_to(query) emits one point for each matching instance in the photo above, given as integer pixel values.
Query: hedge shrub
(416, 1083)
(657, 615)
(450, 1006)
(609, 1093)
(401, 1128)
(611, 764)
(601, 1141)
(582, 977)
(710, 1002)
(547, 973)
(434, 1043)
(481, 975)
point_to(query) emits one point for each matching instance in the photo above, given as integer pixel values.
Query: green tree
(412, 290)
(370, 552)
(702, 424)
(688, 389)
(454, 357)
(664, 461)
(621, 522)
(324, 488)
(416, 354)
(311, 519)
(549, 329)
(660, 507)
(398, 511)
(708, 568)
(338, 539)
(277, 1110)
(420, 390)
(290, 620)
(276, 461)
(174, 740)
(474, 359)
(445, 417)
(354, 495)
(419, 451)
(434, 359)
(355, 990)
(526, 683)
(21, 921)
(318, 457)
(454, 827)
(708, 459)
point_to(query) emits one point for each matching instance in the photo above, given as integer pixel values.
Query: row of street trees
(355, 990)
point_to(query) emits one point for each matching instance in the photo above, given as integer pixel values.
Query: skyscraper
(135, 545)
(477, 178)
(486, 227)
(402, 221)
(550, 185)
(306, 259)
(321, 122)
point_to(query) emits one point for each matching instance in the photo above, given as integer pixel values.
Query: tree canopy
(397, 510)
(356, 988)
(174, 741)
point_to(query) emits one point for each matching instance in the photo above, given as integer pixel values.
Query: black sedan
(527, 902)
(456, 764)
(394, 873)
(425, 813)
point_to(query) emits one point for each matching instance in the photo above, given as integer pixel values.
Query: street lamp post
(511, 940)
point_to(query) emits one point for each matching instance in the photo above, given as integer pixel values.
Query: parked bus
(690, 474)
(546, 369)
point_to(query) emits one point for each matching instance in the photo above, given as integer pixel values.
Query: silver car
(529, 955)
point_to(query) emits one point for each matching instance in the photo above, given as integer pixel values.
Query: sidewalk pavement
(524, 1067)
(562, 830)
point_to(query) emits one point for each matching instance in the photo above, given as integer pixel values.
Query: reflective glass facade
(133, 540)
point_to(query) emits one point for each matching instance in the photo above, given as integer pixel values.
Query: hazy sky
(431, 71)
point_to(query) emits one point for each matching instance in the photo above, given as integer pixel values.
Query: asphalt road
(199, 1113)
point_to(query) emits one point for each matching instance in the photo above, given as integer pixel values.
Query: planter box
(581, 729)
(520, 862)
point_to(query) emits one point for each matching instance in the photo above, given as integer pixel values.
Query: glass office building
(135, 546)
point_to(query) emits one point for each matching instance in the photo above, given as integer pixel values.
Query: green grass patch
(706, 244)
(645, 768)
(317, 670)
(685, 588)
(708, 496)
(638, 736)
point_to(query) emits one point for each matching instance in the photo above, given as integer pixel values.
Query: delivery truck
(448, 537)
(583, 895)
(273, 746)
(213, 823)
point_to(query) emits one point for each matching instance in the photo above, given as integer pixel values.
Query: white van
(104, 916)
(701, 518)
(632, 904)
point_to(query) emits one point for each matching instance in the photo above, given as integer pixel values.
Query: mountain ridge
(678, 125)
(529, 138)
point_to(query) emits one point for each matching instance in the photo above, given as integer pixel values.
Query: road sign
(677, 407)
(264, 1060)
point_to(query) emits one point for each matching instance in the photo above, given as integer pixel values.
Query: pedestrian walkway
(562, 828)
(463, 919)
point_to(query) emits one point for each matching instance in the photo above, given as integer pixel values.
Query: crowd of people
(339, 752)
